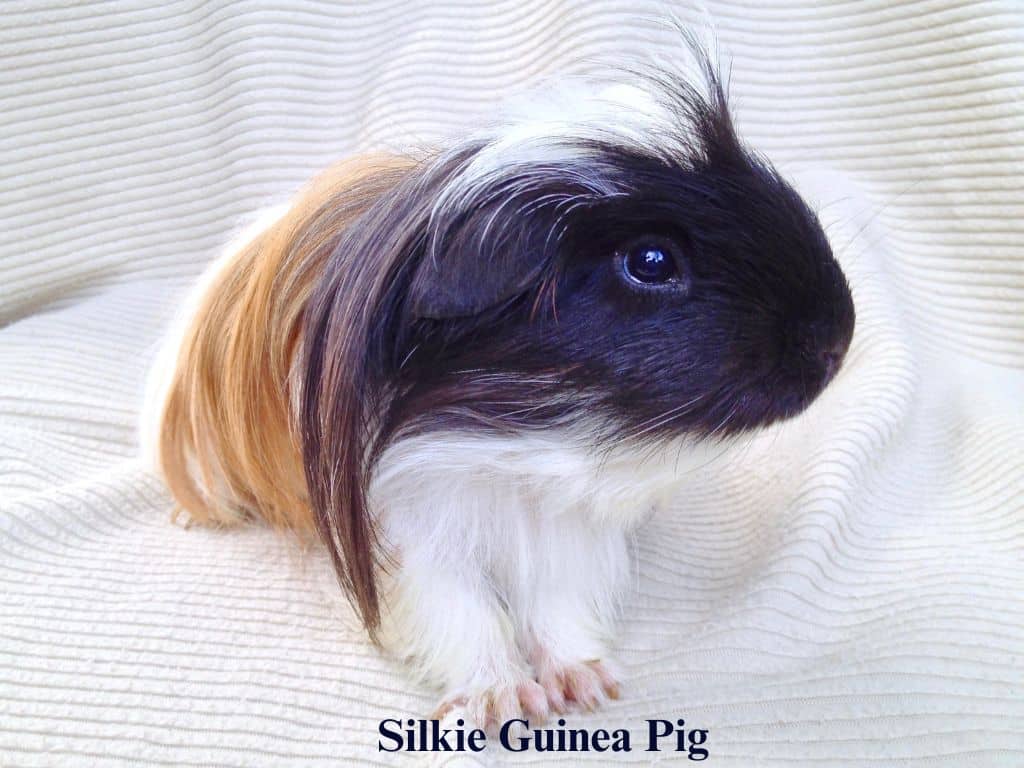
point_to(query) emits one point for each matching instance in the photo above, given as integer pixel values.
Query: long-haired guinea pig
(473, 374)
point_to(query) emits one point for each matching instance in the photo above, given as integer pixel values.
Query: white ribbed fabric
(847, 591)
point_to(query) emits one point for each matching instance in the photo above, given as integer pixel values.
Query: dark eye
(650, 263)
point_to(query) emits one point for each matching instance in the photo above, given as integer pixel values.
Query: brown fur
(228, 446)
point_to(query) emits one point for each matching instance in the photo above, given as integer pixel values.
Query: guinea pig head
(663, 283)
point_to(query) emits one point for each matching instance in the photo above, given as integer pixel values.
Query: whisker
(662, 418)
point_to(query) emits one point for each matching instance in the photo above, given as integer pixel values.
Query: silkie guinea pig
(472, 375)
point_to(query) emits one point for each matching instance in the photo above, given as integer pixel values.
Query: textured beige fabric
(847, 591)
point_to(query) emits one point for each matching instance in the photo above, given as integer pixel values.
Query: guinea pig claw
(534, 700)
(608, 682)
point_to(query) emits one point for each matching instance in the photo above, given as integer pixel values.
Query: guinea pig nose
(831, 357)
(830, 364)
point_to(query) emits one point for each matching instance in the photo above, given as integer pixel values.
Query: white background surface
(847, 591)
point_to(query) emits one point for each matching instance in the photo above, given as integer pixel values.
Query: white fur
(547, 127)
(543, 137)
(512, 552)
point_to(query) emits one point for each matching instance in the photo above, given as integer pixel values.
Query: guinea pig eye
(651, 262)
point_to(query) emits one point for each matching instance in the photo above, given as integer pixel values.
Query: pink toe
(534, 700)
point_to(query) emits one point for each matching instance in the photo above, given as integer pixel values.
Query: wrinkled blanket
(846, 590)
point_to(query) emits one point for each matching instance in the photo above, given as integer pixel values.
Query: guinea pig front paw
(490, 706)
(585, 684)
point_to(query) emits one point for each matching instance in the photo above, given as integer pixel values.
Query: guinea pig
(471, 375)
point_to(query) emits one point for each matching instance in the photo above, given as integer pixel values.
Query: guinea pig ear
(465, 281)
(478, 259)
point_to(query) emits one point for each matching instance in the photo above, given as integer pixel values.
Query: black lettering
(440, 742)
(386, 732)
(476, 740)
(653, 735)
(621, 743)
(697, 737)
(524, 742)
